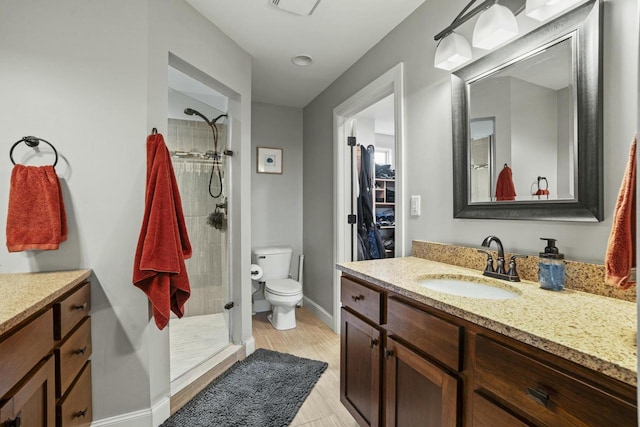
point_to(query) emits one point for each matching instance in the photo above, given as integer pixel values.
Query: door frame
(391, 82)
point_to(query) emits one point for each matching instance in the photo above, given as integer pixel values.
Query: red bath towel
(163, 245)
(505, 189)
(36, 219)
(621, 249)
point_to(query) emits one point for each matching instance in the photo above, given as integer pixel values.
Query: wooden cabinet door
(360, 369)
(33, 403)
(418, 393)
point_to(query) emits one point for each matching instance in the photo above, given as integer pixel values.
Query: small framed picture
(269, 160)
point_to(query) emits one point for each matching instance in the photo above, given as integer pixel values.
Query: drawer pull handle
(357, 298)
(373, 342)
(79, 307)
(388, 353)
(80, 350)
(539, 396)
(81, 414)
(16, 422)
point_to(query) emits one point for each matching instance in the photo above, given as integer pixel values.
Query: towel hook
(33, 142)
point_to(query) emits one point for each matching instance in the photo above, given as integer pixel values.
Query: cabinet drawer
(22, 350)
(487, 414)
(543, 393)
(71, 356)
(364, 300)
(426, 332)
(75, 408)
(70, 310)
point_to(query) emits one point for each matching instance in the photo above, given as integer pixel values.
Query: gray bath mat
(264, 390)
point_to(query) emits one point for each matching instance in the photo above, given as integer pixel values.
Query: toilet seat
(283, 287)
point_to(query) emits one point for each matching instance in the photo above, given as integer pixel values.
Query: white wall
(365, 131)
(491, 98)
(91, 77)
(276, 209)
(387, 142)
(428, 158)
(534, 134)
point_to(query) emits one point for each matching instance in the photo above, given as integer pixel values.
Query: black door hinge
(229, 305)
(351, 141)
(352, 219)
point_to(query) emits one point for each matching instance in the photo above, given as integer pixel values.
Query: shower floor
(195, 339)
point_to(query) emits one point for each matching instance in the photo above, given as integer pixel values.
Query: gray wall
(276, 200)
(91, 77)
(428, 158)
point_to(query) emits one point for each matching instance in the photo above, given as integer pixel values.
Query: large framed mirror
(527, 125)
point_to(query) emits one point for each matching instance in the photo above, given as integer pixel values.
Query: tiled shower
(207, 267)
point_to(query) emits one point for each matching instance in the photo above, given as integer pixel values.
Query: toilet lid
(283, 287)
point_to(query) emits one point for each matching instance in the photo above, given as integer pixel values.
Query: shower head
(191, 112)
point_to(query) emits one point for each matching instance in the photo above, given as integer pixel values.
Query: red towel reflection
(505, 189)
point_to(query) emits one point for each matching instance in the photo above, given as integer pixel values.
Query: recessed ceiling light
(302, 60)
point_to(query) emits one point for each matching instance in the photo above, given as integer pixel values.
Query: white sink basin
(468, 289)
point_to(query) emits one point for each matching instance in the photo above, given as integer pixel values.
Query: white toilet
(280, 291)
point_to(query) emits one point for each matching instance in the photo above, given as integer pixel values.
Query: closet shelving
(385, 210)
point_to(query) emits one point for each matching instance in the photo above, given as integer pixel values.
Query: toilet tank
(275, 262)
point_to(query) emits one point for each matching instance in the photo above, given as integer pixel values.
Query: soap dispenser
(551, 271)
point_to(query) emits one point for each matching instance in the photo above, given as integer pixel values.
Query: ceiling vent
(299, 7)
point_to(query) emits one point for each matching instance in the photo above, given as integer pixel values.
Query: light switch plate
(415, 205)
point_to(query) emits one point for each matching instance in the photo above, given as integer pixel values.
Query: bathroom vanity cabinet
(404, 363)
(45, 374)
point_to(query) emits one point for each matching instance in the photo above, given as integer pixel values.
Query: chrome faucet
(499, 272)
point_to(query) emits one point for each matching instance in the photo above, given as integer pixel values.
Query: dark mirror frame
(587, 206)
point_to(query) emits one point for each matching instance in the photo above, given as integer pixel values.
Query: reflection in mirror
(481, 159)
(531, 101)
(542, 97)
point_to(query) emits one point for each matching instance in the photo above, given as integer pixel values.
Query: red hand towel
(505, 190)
(621, 249)
(163, 245)
(36, 218)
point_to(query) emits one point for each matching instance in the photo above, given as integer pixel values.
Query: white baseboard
(250, 345)
(318, 311)
(151, 417)
(141, 418)
(160, 411)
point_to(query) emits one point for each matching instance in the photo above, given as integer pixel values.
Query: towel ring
(33, 142)
(540, 178)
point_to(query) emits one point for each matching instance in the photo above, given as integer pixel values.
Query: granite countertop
(24, 294)
(591, 330)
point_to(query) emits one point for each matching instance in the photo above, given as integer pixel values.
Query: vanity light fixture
(542, 10)
(496, 25)
(452, 51)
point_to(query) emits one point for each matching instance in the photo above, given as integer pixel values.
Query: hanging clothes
(368, 234)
